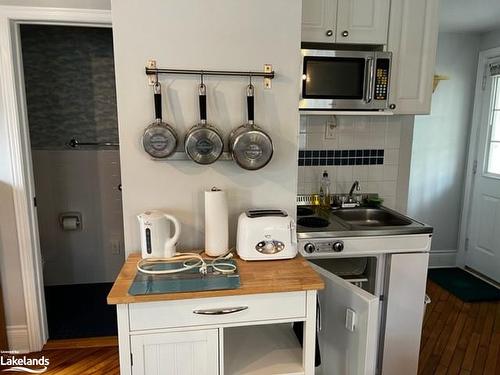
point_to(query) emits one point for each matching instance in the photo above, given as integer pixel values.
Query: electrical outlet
(331, 128)
(115, 247)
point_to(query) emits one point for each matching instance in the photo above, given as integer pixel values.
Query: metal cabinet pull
(329, 32)
(223, 311)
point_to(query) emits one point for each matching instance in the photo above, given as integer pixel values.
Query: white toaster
(266, 235)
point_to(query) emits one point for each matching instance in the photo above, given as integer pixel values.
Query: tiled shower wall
(363, 148)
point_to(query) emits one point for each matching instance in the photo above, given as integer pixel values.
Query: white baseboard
(443, 258)
(18, 338)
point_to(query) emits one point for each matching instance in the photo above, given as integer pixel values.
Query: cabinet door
(318, 20)
(413, 33)
(176, 353)
(362, 21)
(405, 294)
(348, 336)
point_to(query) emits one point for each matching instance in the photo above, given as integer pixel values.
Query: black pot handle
(250, 103)
(202, 92)
(157, 94)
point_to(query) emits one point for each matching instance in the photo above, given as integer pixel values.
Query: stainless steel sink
(370, 217)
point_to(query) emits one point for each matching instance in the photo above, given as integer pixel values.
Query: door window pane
(494, 159)
(493, 143)
(495, 127)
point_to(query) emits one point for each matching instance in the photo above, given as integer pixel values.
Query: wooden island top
(271, 276)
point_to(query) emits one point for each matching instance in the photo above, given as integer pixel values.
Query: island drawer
(218, 310)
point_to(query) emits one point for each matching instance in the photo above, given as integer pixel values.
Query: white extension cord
(191, 260)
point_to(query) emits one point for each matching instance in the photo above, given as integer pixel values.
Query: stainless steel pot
(203, 142)
(159, 139)
(250, 146)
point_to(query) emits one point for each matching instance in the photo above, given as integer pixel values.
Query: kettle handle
(173, 240)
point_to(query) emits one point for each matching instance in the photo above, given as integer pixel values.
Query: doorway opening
(71, 106)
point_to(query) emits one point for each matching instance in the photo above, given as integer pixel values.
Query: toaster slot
(265, 213)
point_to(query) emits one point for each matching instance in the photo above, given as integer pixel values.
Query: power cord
(191, 260)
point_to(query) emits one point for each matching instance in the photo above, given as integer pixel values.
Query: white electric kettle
(156, 240)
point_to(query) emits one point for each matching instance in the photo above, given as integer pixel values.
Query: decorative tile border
(340, 157)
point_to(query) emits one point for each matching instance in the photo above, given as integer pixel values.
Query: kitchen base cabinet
(176, 353)
(238, 337)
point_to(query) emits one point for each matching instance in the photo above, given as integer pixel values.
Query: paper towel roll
(216, 223)
(70, 223)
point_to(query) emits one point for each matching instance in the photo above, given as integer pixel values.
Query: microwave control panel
(381, 79)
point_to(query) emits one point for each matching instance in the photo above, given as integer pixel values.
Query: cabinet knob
(392, 106)
(329, 32)
(345, 33)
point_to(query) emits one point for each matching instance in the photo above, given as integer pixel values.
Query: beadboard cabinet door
(176, 353)
(318, 20)
(413, 33)
(362, 21)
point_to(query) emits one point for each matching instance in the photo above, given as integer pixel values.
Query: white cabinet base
(249, 343)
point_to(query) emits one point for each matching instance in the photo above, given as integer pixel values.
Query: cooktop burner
(313, 222)
(304, 211)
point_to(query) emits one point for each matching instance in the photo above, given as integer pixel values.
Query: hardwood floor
(459, 338)
(81, 357)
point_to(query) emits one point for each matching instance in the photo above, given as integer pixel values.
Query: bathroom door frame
(14, 119)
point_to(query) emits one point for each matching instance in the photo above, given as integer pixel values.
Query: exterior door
(483, 248)
(362, 21)
(349, 327)
(176, 353)
(318, 20)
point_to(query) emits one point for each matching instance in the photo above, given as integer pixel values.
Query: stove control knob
(309, 248)
(338, 246)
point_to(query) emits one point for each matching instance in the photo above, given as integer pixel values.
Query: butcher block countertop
(256, 277)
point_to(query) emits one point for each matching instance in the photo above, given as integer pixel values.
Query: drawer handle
(223, 311)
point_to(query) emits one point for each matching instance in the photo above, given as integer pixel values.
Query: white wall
(81, 4)
(83, 181)
(385, 133)
(440, 141)
(218, 34)
(490, 40)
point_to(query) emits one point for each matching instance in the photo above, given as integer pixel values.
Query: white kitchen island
(238, 331)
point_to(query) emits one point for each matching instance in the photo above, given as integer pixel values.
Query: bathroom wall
(70, 93)
(364, 148)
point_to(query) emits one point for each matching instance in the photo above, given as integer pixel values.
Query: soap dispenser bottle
(324, 190)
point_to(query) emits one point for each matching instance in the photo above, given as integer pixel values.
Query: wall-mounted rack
(182, 156)
(152, 71)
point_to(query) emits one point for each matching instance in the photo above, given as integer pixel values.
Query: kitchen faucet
(355, 186)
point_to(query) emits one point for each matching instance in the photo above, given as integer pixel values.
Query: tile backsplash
(349, 148)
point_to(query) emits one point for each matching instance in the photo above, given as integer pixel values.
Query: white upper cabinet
(318, 20)
(362, 21)
(413, 33)
(345, 21)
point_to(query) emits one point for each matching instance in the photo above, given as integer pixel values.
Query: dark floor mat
(76, 311)
(464, 285)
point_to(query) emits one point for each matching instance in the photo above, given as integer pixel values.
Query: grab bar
(73, 143)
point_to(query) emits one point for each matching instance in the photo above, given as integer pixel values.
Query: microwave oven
(345, 80)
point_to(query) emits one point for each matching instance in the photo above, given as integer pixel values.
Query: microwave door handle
(369, 78)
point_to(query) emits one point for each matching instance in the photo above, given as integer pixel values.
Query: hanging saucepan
(250, 146)
(159, 139)
(203, 142)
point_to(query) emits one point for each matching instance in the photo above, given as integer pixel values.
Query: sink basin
(370, 217)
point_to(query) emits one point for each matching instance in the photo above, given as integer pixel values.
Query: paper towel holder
(71, 215)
